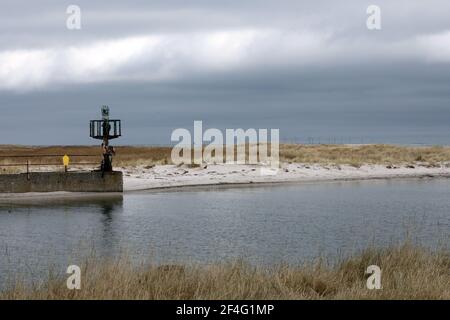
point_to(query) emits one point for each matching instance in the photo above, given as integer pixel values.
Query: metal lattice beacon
(106, 130)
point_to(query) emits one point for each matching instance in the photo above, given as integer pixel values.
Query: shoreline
(186, 187)
(172, 178)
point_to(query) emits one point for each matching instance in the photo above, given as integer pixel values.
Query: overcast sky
(309, 68)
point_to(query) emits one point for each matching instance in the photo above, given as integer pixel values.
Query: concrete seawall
(61, 181)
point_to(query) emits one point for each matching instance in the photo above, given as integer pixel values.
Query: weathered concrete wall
(61, 181)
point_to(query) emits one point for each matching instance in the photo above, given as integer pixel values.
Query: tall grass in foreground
(408, 272)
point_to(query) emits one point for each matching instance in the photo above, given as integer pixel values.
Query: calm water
(264, 224)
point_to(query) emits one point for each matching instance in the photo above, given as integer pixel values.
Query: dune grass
(364, 154)
(129, 156)
(408, 272)
(90, 158)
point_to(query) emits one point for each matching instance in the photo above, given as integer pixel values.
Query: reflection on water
(264, 224)
(38, 235)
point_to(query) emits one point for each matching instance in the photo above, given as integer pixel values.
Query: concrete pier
(61, 181)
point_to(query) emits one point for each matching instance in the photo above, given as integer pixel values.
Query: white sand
(164, 176)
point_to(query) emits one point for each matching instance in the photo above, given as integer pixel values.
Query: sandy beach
(167, 176)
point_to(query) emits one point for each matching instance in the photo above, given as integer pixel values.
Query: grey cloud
(354, 82)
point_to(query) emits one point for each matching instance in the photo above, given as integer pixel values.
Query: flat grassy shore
(355, 155)
(408, 272)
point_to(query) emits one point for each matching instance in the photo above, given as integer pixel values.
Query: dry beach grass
(126, 156)
(129, 156)
(364, 154)
(408, 272)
